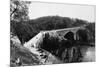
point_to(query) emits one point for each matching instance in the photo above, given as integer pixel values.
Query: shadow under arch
(82, 35)
(69, 35)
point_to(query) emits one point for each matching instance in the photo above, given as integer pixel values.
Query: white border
(5, 29)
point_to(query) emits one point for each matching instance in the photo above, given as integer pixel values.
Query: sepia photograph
(45, 33)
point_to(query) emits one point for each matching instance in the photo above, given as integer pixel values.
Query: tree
(19, 10)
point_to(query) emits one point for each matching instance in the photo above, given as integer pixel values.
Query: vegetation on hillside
(25, 30)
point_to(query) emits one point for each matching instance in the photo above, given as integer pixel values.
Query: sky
(40, 9)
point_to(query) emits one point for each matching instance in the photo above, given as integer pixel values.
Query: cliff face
(29, 54)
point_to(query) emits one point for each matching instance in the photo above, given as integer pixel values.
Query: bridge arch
(69, 35)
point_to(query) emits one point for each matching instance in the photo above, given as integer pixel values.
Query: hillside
(25, 30)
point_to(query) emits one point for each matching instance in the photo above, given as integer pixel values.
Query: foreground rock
(27, 56)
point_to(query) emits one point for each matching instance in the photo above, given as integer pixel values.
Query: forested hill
(56, 22)
(25, 30)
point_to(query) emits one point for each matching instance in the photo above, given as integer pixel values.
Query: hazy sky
(39, 9)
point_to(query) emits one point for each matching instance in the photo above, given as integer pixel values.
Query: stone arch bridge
(36, 40)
